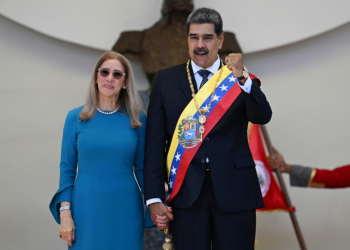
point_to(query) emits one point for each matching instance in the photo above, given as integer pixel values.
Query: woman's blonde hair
(128, 97)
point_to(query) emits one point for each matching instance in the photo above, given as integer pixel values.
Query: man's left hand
(234, 62)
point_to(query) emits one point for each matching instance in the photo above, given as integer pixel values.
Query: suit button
(207, 138)
(203, 161)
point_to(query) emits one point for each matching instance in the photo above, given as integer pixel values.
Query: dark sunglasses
(116, 73)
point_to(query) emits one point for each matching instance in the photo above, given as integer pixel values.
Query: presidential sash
(189, 133)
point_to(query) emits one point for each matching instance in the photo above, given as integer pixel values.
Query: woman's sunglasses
(116, 73)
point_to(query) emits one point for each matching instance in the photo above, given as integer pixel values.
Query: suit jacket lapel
(184, 83)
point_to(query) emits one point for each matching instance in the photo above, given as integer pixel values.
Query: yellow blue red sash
(187, 138)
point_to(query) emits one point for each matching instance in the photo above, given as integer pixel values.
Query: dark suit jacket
(232, 168)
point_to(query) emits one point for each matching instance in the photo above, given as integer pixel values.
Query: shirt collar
(213, 68)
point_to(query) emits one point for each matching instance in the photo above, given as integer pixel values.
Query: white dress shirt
(213, 69)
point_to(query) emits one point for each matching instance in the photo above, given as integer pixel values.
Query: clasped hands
(160, 214)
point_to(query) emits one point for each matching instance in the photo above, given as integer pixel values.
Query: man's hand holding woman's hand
(160, 215)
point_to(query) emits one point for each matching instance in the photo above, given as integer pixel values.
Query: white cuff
(247, 85)
(154, 200)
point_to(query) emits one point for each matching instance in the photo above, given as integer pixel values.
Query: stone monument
(165, 43)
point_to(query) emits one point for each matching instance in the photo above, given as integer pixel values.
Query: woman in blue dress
(99, 204)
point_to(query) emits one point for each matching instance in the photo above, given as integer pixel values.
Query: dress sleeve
(66, 195)
(68, 165)
(139, 164)
(140, 151)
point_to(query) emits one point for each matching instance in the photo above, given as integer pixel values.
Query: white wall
(308, 89)
(42, 78)
(260, 24)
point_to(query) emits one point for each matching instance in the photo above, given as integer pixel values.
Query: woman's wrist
(65, 203)
(65, 209)
(65, 213)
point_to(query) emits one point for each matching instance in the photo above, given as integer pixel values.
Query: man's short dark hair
(205, 15)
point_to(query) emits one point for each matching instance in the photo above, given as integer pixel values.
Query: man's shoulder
(170, 77)
(180, 67)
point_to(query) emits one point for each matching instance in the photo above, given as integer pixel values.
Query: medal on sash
(191, 130)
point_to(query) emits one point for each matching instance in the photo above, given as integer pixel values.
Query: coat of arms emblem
(189, 132)
(264, 177)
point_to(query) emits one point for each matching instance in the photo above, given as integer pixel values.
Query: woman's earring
(124, 87)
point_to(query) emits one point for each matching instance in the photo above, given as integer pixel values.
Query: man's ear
(221, 40)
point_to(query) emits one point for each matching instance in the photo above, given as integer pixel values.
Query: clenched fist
(234, 63)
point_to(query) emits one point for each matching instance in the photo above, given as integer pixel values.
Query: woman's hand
(162, 222)
(67, 228)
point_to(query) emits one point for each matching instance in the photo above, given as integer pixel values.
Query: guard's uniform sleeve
(336, 178)
(299, 175)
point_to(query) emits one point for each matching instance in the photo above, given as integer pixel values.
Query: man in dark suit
(215, 205)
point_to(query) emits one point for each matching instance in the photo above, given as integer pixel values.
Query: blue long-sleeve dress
(98, 160)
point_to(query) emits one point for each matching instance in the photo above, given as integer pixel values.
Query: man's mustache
(201, 50)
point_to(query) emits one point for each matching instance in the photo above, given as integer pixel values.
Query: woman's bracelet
(64, 208)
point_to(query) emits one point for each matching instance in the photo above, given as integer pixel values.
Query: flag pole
(284, 191)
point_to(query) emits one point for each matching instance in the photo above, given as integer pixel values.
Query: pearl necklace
(107, 113)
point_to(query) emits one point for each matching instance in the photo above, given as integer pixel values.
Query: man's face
(204, 44)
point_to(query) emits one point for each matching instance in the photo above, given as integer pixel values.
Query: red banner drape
(273, 197)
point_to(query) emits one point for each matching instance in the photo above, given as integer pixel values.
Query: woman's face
(108, 85)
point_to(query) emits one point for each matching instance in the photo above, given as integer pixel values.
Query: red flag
(273, 197)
